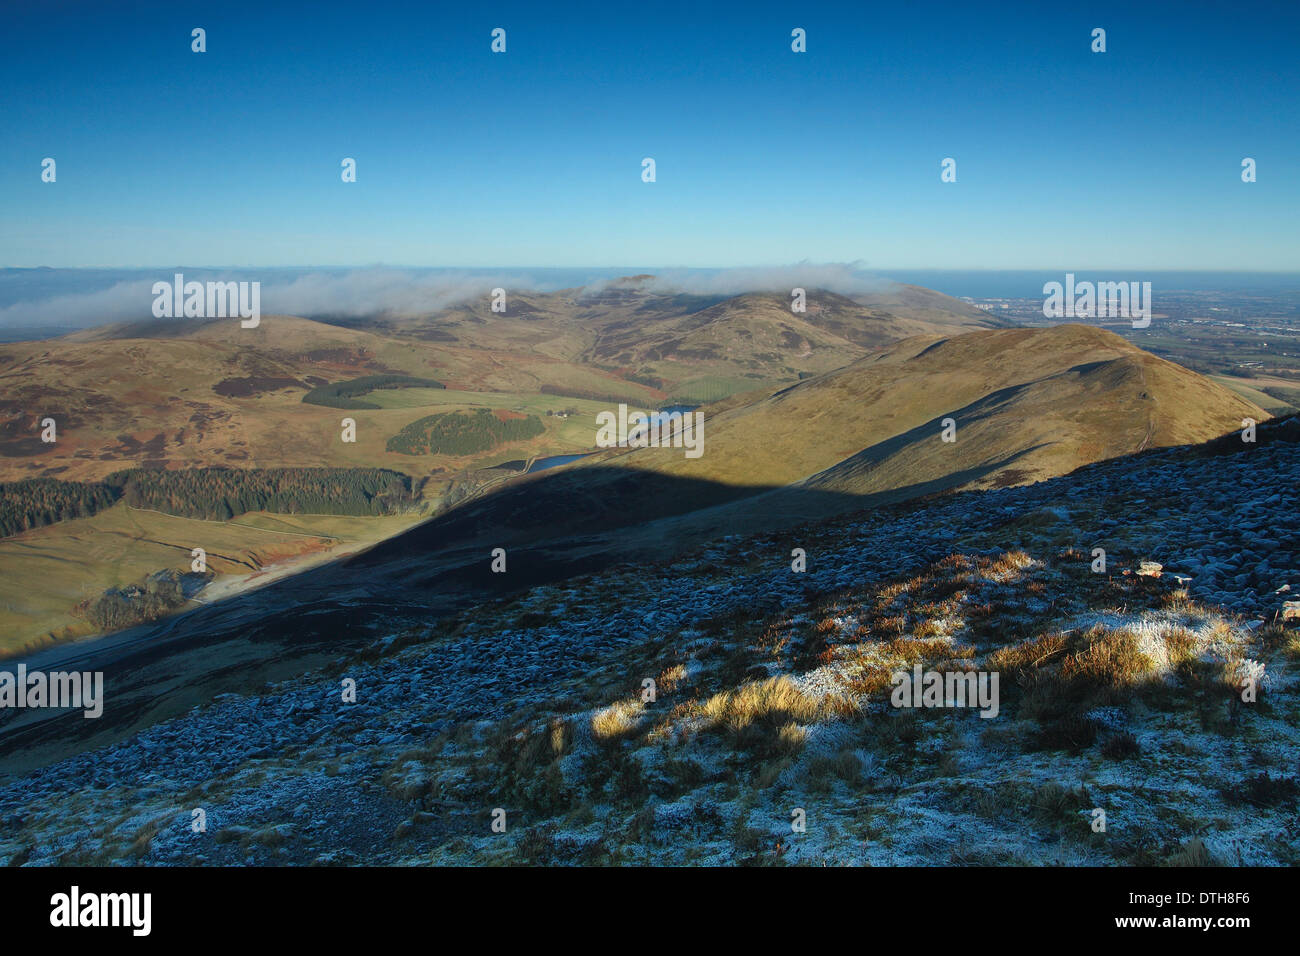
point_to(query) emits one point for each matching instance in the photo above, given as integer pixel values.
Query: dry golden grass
(895, 624)
(1111, 659)
(927, 627)
(618, 720)
(827, 626)
(1276, 638)
(872, 679)
(1017, 658)
(912, 651)
(1178, 601)
(561, 735)
(1006, 565)
(671, 678)
(777, 698)
(890, 592)
(874, 664)
(1180, 643)
(791, 738)
(954, 562)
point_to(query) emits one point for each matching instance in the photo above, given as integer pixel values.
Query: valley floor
(1119, 693)
(47, 571)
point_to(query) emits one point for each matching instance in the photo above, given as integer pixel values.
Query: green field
(575, 433)
(713, 388)
(1247, 389)
(46, 572)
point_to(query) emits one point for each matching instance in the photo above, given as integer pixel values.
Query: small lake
(541, 464)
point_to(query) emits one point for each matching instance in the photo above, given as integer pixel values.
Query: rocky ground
(1120, 693)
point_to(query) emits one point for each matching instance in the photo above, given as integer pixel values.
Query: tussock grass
(927, 627)
(894, 624)
(1193, 853)
(1006, 565)
(791, 738)
(618, 721)
(827, 626)
(1014, 660)
(1121, 746)
(822, 771)
(1263, 790)
(1111, 660)
(914, 651)
(871, 679)
(671, 678)
(735, 720)
(1055, 803)
(776, 699)
(143, 840)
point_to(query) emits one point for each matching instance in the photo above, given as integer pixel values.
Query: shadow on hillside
(553, 526)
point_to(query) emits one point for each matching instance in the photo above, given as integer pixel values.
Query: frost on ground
(1120, 693)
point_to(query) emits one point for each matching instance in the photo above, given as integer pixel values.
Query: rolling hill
(1027, 404)
(793, 442)
(191, 393)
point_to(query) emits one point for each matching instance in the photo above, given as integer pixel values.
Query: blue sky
(1066, 159)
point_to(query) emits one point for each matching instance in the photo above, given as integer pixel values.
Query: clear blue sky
(1066, 158)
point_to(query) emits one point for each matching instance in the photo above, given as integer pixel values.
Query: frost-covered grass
(1114, 699)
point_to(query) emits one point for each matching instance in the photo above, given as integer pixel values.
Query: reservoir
(541, 464)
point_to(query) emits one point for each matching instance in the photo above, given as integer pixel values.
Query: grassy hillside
(830, 397)
(1028, 403)
(198, 400)
(700, 347)
(45, 573)
(187, 393)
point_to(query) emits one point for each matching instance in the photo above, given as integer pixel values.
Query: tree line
(222, 493)
(211, 493)
(345, 394)
(34, 502)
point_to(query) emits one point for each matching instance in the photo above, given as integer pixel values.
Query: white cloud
(365, 292)
(355, 293)
(845, 278)
(126, 300)
(380, 290)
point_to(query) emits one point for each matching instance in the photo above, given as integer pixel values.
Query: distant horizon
(68, 298)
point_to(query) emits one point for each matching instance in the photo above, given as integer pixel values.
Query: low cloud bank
(359, 293)
(367, 292)
(125, 300)
(352, 294)
(845, 278)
